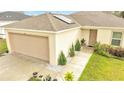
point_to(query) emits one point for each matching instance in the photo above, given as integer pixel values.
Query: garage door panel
(35, 46)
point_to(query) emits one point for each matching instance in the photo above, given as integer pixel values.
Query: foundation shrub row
(108, 50)
(77, 47)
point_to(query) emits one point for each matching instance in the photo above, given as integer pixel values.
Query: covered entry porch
(90, 36)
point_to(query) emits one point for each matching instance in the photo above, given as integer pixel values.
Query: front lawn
(3, 46)
(103, 68)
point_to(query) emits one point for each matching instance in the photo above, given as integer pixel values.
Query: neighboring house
(46, 35)
(8, 18)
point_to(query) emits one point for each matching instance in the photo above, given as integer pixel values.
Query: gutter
(42, 31)
(100, 27)
(61, 31)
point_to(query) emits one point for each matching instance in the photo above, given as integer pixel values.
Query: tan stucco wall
(65, 39)
(57, 41)
(62, 41)
(122, 43)
(85, 35)
(105, 36)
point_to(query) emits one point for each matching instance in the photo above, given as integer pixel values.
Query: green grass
(103, 68)
(3, 46)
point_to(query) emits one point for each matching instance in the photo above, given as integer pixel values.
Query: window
(116, 38)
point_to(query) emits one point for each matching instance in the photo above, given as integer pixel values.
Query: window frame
(117, 38)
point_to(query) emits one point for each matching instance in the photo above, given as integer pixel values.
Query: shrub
(102, 49)
(69, 76)
(72, 51)
(107, 50)
(82, 41)
(62, 59)
(97, 46)
(98, 49)
(77, 46)
(3, 46)
(34, 79)
(37, 77)
(47, 78)
(119, 52)
(105, 47)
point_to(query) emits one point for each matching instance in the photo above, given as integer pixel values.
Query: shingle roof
(48, 22)
(97, 18)
(44, 22)
(12, 16)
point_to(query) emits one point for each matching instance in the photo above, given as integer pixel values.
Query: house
(46, 35)
(102, 27)
(8, 18)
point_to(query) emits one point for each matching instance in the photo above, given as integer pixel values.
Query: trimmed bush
(62, 59)
(77, 46)
(97, 47)
(105, 47)
(69, 76)
(37, 77)
(119, 52)
(3, 46)
(72, 51)
(108, 51)
(83, 42)
(102, 49)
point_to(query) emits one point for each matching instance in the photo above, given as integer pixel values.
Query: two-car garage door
(35, 46)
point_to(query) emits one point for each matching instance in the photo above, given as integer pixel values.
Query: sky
(42, 12)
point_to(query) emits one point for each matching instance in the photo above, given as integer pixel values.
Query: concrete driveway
(20, 67)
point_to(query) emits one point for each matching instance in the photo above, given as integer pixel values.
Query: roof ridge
(53, 25)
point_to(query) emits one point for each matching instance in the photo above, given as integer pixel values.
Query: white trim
(42, 31)
(117, 38)
(60, 31)
(8, 43)
(29, 30)
(101, 27)
(3, 23)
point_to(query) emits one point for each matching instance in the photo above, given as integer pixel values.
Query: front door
(92, 37)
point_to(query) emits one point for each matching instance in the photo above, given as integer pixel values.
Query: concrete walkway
(20, 68)
(77, 63)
